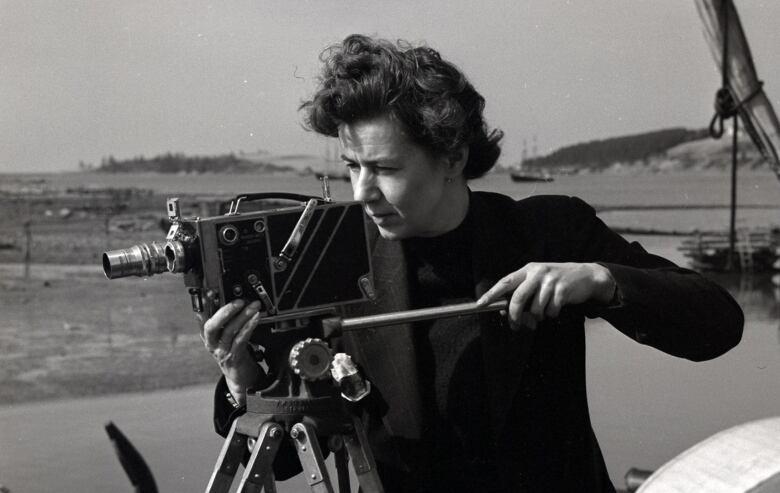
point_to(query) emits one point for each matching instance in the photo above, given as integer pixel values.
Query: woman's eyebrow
(368, 162)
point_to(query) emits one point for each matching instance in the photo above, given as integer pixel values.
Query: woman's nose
(364, 187)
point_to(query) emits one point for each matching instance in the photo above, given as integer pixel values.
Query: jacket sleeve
(224, 412)
(659, 304)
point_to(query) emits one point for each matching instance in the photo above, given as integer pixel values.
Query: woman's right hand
(226, 335)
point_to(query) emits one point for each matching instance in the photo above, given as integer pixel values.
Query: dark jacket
(536, 386)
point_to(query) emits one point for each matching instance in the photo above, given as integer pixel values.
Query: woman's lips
(381, 217)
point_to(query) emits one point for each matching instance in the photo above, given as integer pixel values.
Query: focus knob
(310, 359)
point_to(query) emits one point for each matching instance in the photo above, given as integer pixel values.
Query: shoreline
(23, 406)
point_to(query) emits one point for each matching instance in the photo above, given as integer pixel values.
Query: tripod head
(309, 383)
(306, 402)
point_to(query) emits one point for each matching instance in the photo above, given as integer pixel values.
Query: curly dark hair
(364, 77)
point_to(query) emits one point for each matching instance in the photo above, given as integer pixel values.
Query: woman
(488, 402)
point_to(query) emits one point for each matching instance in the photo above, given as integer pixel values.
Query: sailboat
(522, 174)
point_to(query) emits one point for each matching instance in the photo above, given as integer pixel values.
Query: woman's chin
(390, 233)
(394, 230)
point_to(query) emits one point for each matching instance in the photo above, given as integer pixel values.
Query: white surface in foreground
(742, 458)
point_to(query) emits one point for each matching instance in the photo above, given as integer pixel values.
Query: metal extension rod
(408, 316)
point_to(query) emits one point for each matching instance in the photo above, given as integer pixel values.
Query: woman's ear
(456, 162)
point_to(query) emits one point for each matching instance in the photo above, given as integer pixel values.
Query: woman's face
(404, 188)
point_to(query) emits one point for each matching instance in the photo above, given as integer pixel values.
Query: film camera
(303, 263)
(299, 261)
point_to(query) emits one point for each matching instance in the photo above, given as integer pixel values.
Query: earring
(448, 180)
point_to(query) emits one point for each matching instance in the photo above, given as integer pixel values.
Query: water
(652, 189)
(646, 406)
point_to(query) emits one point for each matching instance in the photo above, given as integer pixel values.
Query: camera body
(299, 261)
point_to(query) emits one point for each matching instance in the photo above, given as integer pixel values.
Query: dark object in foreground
(635, 477)
(132, 461)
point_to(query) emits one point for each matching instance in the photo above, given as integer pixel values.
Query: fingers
(504, 286)
(238, 346)
(243, 336)
(532, 290)
(212, 328)
(540, 290)
(522, 285)
(220, 330)
(236, 324)
(519, 303)
(541, 299)
(555, 305)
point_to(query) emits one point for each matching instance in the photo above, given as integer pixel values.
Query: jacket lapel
(387, 354)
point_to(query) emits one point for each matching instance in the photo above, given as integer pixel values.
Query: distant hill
(673, 149)
(708, 153)
(601, 154)
(180, 163)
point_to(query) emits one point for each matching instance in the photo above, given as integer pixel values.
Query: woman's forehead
(377, 132)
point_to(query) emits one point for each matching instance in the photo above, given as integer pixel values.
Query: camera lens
(175, 256)
(228, 235)
(143, 260)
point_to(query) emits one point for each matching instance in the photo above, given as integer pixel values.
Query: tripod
(301, 404)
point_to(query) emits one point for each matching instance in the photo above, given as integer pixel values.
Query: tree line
(599, 154)
(180, 163)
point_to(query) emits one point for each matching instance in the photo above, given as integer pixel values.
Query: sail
(755, 109)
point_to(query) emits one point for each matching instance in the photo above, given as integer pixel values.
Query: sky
(81, 80)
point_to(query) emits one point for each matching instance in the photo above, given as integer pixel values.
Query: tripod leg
(362, 459)
(340, 459)
(227, 464)
(308, 448)
(342, 471)
(270, 484)
(259, 467)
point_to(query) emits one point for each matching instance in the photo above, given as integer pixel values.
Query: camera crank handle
(287, 253)
(335, 325)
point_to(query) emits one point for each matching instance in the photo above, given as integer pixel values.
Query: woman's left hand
(541, 289)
